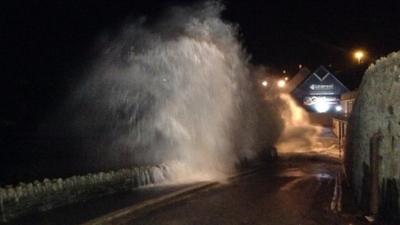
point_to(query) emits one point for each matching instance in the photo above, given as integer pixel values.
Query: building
(340, 121)
(347, 101)
(317, 91)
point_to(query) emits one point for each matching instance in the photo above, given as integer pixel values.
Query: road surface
(295, 191)
(81, 212)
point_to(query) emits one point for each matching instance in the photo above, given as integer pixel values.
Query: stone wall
(48, 194)
(377, 112)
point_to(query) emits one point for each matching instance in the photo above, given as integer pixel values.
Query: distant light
(300, 66)
(281, 83)
(322, 106)
(286, 78)
(284, 71)
(359, 55)
(264, 83)
(338, 108)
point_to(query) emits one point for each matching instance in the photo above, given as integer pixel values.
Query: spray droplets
(176, 92)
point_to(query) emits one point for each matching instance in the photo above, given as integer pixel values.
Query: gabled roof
(297, 79)
(321, 73)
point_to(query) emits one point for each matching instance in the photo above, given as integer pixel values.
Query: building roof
(297, 79)
(322, 74)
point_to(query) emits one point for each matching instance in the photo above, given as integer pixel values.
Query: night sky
(47, 46)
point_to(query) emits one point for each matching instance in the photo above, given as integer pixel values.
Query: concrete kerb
(135, 210)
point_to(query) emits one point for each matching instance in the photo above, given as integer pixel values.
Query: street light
(281, 83)
(338, 108)
(264, 83)
(359, 55)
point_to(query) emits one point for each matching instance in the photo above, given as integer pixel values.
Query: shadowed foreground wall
(377, 112)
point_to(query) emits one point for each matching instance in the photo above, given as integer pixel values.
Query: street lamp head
(264, 83)
(359, 55)
(281, 83)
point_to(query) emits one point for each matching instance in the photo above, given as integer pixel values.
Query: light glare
(322, 106)
(281, 83)
(359, 55)
(264, 83)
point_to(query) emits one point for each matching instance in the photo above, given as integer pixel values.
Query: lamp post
(281, 83)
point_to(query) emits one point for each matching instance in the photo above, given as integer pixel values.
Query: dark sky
(46, 45)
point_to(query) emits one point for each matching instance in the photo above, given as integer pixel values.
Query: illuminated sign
(312, 100)
(321, 87)
(322, 104)
(320, 91)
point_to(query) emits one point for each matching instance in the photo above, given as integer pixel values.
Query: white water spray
(176, 92)
(299, 135)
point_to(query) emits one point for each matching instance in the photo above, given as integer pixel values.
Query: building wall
(319, 89)
(347, 106)
(347, 102)
(376, 119)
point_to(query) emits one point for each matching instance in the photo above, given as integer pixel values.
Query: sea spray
(299, 135)
(174, 91)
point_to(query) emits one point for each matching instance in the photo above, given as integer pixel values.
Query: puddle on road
(294, 172)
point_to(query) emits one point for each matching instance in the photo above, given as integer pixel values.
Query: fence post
(375, 142)
(340, 138)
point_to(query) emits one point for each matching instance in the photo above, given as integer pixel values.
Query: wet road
(84, 211)
(294, 191)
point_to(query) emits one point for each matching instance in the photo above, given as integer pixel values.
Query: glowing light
(322, 106)
(338, 108)
(359, 55)
(264, 83)
(281, 83)
(296, 116)
(286, 78)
